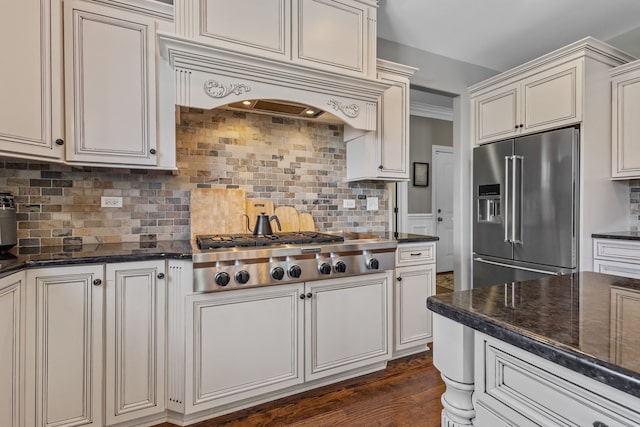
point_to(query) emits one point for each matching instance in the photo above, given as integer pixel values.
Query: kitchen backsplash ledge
(293, 162)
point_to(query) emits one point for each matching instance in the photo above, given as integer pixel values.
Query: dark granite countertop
(565, 319)
(620, 235)
(411, 238)
(19, 258)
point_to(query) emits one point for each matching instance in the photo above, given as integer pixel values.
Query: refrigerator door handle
(516, 202)
(506, 199)
(516, 267)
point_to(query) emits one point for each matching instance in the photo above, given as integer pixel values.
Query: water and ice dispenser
(489, 203)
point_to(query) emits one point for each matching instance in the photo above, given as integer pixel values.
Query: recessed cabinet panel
(331, 33)
(496, 114)
(110, 110)
(11, 351)
(393, 122)
(29, 116)
(625, 124)
(551, 98)
(413, 321)
(265, 25)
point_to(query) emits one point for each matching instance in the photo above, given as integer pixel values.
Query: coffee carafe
(263, 224)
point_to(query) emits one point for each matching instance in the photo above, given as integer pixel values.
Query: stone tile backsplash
(292, 162)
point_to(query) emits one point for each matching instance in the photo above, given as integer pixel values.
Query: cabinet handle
(399, 279)
(60, 141)
(302, 296)
(599, 424)
(380, 167)
(521, 125)
(152, 151)
(160, 275)
(416, 253)
(97, 282)
(309, 295)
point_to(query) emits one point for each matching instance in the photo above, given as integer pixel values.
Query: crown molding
(431, 111)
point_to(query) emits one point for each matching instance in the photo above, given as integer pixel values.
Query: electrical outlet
(372, 203)
(110, 202)
(348, 203)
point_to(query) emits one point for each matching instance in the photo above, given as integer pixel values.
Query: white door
(442, 158)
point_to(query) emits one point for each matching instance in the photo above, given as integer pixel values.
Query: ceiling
(500, 34)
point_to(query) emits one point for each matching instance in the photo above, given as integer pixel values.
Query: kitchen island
(563, 350)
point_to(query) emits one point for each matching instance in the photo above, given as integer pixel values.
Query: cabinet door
(347, 324)
(134, 345)
(496, 114)
(242, 343)
(30, 86)
(12, 341)
(65, 313)
(412, 319)
(552, 98)
(333, 35)
(393, 131)
(110, 85)
(626, 126)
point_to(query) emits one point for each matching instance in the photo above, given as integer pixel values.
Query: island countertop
(575, 320)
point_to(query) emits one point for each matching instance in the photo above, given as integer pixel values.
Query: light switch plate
(372, 203)
(348, 203)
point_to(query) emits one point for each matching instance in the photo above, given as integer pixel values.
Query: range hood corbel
(209, 77)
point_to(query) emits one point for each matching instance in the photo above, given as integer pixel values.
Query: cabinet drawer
(415, 253)
(531, 391)
(620, 250)
(625, 269)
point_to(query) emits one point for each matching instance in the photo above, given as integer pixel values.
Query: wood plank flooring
(406, 394)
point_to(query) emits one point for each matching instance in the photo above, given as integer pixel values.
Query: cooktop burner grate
(215, 241)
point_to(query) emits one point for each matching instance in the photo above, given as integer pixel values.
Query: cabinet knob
(152, 151)
(302, 296)
(60, 141)
(399, 279)
(521, 125)
(97, 282)
(380, 167)
(160, 275)
(309, 295)
(517, 126)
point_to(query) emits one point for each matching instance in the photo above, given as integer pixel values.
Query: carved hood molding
(209, 77)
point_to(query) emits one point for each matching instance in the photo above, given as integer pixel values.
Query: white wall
(448, 75)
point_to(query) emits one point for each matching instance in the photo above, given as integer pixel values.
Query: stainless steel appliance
(225, 262)
(8, 224)
(525, 207)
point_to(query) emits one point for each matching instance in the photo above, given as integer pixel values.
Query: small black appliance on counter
(8, 225)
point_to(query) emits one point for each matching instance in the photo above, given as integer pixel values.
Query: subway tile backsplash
(292, 162)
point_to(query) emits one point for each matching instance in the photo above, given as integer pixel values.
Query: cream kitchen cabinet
(415, 276)
(384, 154)
(617, 256)
(335, 35)
(64, 346)
(12, 350)
(539, 98)
(31, 117)
(625, 110)
(249, 346)
(134, 340)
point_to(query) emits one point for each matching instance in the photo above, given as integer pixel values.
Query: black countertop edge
(613, 376)
(618, 235)
(410, 237)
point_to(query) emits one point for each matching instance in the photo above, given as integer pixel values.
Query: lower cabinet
(97, 348)
(248, 343)
(134, 340)
(65, 345)
(617, 257)
(12, 351)
(415, 278)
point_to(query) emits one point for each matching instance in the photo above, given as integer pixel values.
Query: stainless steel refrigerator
(526, 198)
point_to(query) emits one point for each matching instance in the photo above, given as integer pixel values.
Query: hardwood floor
(407, 393)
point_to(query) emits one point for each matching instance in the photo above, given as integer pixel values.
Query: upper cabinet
(30, 81)
(334, 35)
(384, 154)
(625, 86)
(106, 56)
(545, 97)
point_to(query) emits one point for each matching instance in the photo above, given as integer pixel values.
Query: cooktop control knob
(277, 273)
(295, 271)
(373, 264)
(340, 267)
(222, 278)
(242, 277)
(325, 268)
